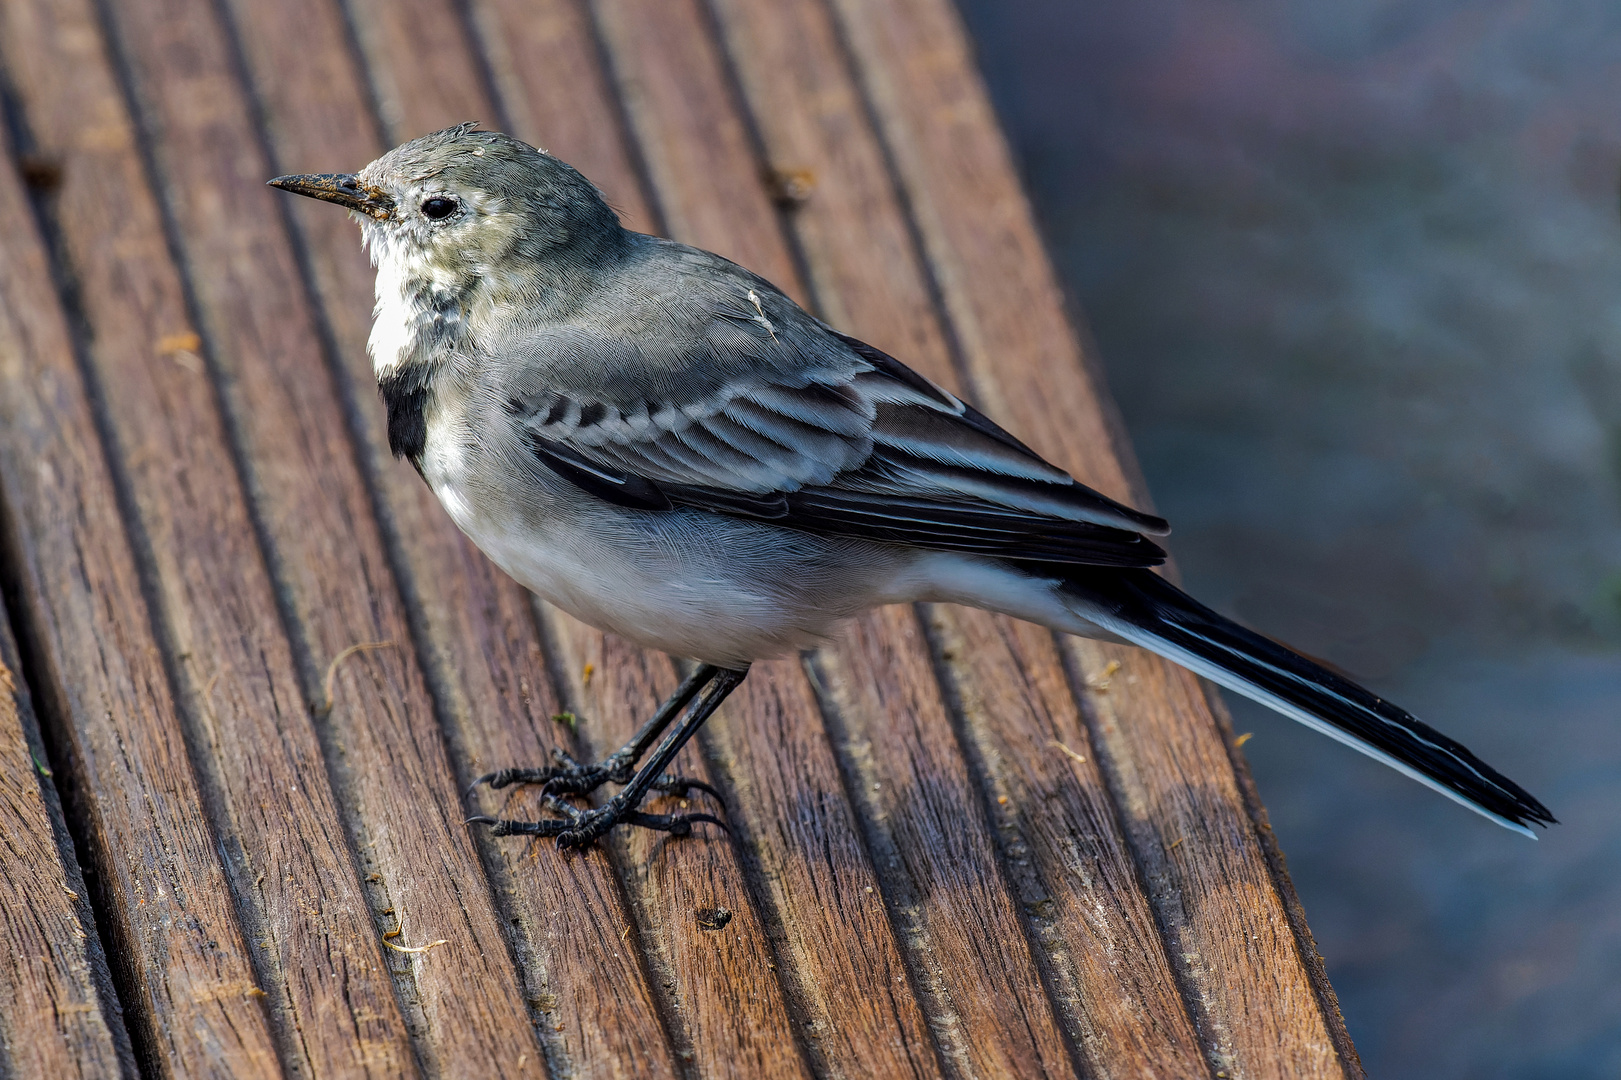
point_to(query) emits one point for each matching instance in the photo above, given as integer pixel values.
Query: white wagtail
(664, 445)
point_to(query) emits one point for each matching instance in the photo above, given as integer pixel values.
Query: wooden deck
(254, 664)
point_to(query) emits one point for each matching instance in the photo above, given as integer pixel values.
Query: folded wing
(858, 445)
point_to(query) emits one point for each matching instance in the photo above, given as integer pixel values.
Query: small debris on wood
(325, 708)
(585, 675)
(790, 188)
(1068, 752)
(185, 341)
(416, 948)
(567, 719)
(1100, 682)
(714, 918)
(400, 929)
(42, 174)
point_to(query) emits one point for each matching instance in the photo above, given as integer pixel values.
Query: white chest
(393, 326)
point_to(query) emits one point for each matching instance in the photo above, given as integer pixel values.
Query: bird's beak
(345, 189)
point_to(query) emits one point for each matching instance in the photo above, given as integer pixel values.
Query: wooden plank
(400, 799)
(1100, 949)
(1261, 1003)
(694, 145)
(290, 864)
(175, 942)
(600, 1014)
(59, 1013)
(548, 73)
(820, 891)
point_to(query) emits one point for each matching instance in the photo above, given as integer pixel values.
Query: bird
(666, 446)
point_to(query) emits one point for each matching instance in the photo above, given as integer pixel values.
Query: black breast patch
(405, 395)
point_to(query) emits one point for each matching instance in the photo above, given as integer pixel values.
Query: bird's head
(463, 219)
(457, 204)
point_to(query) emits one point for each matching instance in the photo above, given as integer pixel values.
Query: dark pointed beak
(345, 189)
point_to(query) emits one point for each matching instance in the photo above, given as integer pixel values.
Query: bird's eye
(438, 207)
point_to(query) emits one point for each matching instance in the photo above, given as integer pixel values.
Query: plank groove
(958, 847)
(59, 1015)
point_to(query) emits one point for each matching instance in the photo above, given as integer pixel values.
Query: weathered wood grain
(926, 829)
(175, 944)
(1259, 1002)
(1064, 847)
(694, 144)
(597, 1013)
(59, 1017)
(1100, 949)
(290, 865)
(547, 70)
(382, 740)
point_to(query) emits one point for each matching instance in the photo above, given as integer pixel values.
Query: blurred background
(1353, 268)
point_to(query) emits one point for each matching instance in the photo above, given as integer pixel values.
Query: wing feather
(865, 447)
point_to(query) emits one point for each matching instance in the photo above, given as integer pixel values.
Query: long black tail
(1149, 611)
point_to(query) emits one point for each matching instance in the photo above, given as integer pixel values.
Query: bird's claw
(581, 828)
(571, 777)
(679, 786)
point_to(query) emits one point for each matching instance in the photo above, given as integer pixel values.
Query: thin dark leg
(570, 777)
(625, 758)
(580, 827)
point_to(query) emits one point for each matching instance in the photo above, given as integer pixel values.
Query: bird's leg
(571, 777)
(577, 828)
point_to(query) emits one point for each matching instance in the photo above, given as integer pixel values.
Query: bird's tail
(1143, 608)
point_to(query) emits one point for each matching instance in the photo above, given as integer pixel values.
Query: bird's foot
(580, 828)
(567, 777)
(571, 777)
